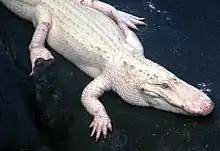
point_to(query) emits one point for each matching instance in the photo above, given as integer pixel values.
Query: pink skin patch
(201, 105)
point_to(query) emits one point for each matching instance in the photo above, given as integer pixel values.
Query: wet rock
(16, 128)
(53, 116)
(33, 112)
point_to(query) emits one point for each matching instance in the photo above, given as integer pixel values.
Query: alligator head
(146, 83)
(166, 91)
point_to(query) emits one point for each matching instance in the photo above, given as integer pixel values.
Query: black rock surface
(44, 112)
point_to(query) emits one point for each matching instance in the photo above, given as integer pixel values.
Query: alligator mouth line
(181, 107)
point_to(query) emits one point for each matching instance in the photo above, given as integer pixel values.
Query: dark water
(183, 36)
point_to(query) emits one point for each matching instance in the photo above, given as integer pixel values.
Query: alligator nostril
(208, 104)
(204, 104)
(200, 104)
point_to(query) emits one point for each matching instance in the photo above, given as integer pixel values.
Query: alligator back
(86, 34)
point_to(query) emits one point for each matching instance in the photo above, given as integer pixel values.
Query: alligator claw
(129, 19)
(100, 124)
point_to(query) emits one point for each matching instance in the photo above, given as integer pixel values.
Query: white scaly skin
(112, 55)
(26, 10)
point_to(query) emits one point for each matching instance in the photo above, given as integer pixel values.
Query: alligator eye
(142, 89)
(165, 86)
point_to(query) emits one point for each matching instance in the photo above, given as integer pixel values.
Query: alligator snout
(200, 105)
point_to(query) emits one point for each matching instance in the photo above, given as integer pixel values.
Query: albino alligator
(109, 52)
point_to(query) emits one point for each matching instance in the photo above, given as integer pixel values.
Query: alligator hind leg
(130, 20)
(132, 41)
(42, 22)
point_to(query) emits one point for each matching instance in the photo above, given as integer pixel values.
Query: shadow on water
(183, 36)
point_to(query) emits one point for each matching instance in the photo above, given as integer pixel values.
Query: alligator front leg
(101, 122)
(117, 15)
(42, 22)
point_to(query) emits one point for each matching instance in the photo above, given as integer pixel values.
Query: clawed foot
(130, 20)
(119, 16)
(37, 53)
(100, 124)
